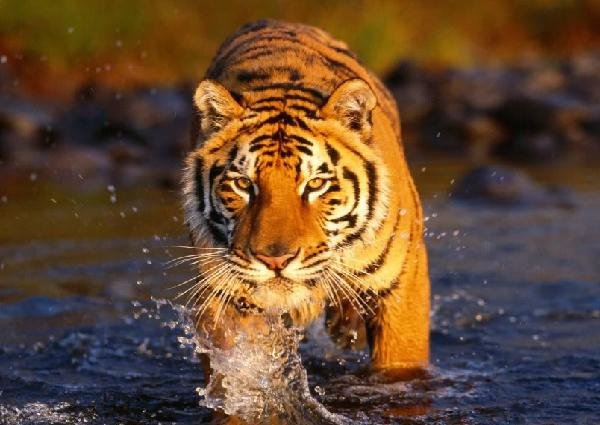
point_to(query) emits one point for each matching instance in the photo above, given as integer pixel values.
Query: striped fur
(297, 150)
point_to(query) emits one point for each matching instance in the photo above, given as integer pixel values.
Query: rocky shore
(536, 112)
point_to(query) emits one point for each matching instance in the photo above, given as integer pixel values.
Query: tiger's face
(284, 186)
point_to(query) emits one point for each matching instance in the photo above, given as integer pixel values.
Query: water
(515, 338)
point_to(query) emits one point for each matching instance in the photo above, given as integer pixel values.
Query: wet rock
(412, 89)
(31, 121)
(480, 89)
(533, 147)
(525, 114)
(156, 117)
(86, 117)
(483, 136)
(503, 186)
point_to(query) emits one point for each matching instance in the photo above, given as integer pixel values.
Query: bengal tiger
(298, 197)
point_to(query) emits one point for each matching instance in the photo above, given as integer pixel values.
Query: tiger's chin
(279, 295)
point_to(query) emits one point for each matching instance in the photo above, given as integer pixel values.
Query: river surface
(516, 312)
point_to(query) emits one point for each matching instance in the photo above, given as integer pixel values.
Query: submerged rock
(503, 186)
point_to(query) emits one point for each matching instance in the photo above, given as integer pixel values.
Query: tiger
(298, 197)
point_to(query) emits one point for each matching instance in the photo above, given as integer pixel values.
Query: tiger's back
(282, 56)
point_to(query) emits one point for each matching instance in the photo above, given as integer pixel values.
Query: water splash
(258, 379)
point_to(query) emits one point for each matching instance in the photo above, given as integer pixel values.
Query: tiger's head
(281, 186)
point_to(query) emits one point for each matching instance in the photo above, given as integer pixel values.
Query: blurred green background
(55, 45)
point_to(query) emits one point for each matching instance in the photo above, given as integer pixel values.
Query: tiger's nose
(276, 263)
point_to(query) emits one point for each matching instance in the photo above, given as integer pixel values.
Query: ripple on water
(514, 340)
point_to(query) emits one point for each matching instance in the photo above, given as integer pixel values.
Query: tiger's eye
(243, 183)
(315, 184)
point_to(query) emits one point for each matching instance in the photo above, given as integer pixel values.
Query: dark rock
(503, 186)
(31, 121)
(483, 136)
(83, 121)
(525, 114)
(480, 89)
(159, 117)
(533, 147)
(591, 125)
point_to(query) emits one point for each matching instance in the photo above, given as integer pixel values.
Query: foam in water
(259, 378)
(41, 413)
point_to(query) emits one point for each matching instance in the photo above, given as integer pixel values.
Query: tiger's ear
(351, 103)
(216, 107)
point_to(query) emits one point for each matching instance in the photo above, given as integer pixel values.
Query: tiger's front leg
(398, 332)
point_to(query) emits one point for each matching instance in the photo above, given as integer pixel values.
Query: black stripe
(287, 86)
(350, 218)
(350, 175)
(316, 263)
(215, 170)
(299, 139)
(216, 233)
(323, 168)
(265, 108)
(372, 184)
(261, 138)
(334, 155)
(259, 146)
(283, 117)
(310, 100)
(376, 264)
(248, 76)
(309, 112)
(269, 99)
(214, 214)
(200, 184)
(232, 153)
(304, 149)
(372, 179)
(333, 188)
